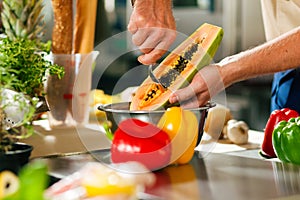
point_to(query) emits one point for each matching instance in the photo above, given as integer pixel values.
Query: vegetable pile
(276, 116)
(282, 136)
(171, 141)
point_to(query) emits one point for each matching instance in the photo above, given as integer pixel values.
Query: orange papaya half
(178, 68)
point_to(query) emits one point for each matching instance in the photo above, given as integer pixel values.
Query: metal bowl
(118, 112)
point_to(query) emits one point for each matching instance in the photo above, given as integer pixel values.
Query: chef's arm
(279, 54)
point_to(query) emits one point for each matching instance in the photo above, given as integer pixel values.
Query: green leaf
(108, 131)
(24, 65)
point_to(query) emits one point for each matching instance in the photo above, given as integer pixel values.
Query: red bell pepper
(135, 140)
(275, 117)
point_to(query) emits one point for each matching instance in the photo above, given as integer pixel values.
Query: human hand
(205, 84)
(153, 28)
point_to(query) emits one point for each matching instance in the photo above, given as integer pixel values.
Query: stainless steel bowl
(118, 112)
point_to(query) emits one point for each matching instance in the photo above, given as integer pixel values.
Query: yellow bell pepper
(182, 127)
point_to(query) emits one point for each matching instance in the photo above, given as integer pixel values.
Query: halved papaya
(178, 68)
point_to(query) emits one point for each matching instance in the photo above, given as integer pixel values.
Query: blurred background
(243, 29)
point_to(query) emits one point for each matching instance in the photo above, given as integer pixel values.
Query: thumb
(147, 59)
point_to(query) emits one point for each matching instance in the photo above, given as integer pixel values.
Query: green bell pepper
(286, 140)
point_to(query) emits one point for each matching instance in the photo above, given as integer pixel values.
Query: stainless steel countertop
(228, 172)
(215, 176)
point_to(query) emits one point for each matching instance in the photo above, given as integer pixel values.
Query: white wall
(240, 19)
(252, 29)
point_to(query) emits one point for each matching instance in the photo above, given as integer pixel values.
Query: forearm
(158, 3)
(276, 55)
(153, 10)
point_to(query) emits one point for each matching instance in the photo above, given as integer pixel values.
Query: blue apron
(286, 90)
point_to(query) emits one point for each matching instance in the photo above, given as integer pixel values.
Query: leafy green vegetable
(23, 65)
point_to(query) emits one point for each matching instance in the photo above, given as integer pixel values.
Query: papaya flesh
(178, 68)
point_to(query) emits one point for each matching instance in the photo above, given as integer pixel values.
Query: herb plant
(23, 69)
(23, 65)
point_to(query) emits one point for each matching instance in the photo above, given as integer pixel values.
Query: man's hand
(153, 28)
(205, 84)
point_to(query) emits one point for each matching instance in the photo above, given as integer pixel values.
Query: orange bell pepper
(182, 127)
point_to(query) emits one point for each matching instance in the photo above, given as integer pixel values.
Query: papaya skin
(206, 39)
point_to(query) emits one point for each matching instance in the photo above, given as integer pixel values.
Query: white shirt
(280, 16)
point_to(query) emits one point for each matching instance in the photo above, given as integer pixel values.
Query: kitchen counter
(65, 141)
(216, 176)
(226, 172)
(49, 142)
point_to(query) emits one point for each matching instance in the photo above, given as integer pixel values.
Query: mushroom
(237, 131)
(217, 118)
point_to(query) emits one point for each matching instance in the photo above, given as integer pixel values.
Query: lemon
(9, 183)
